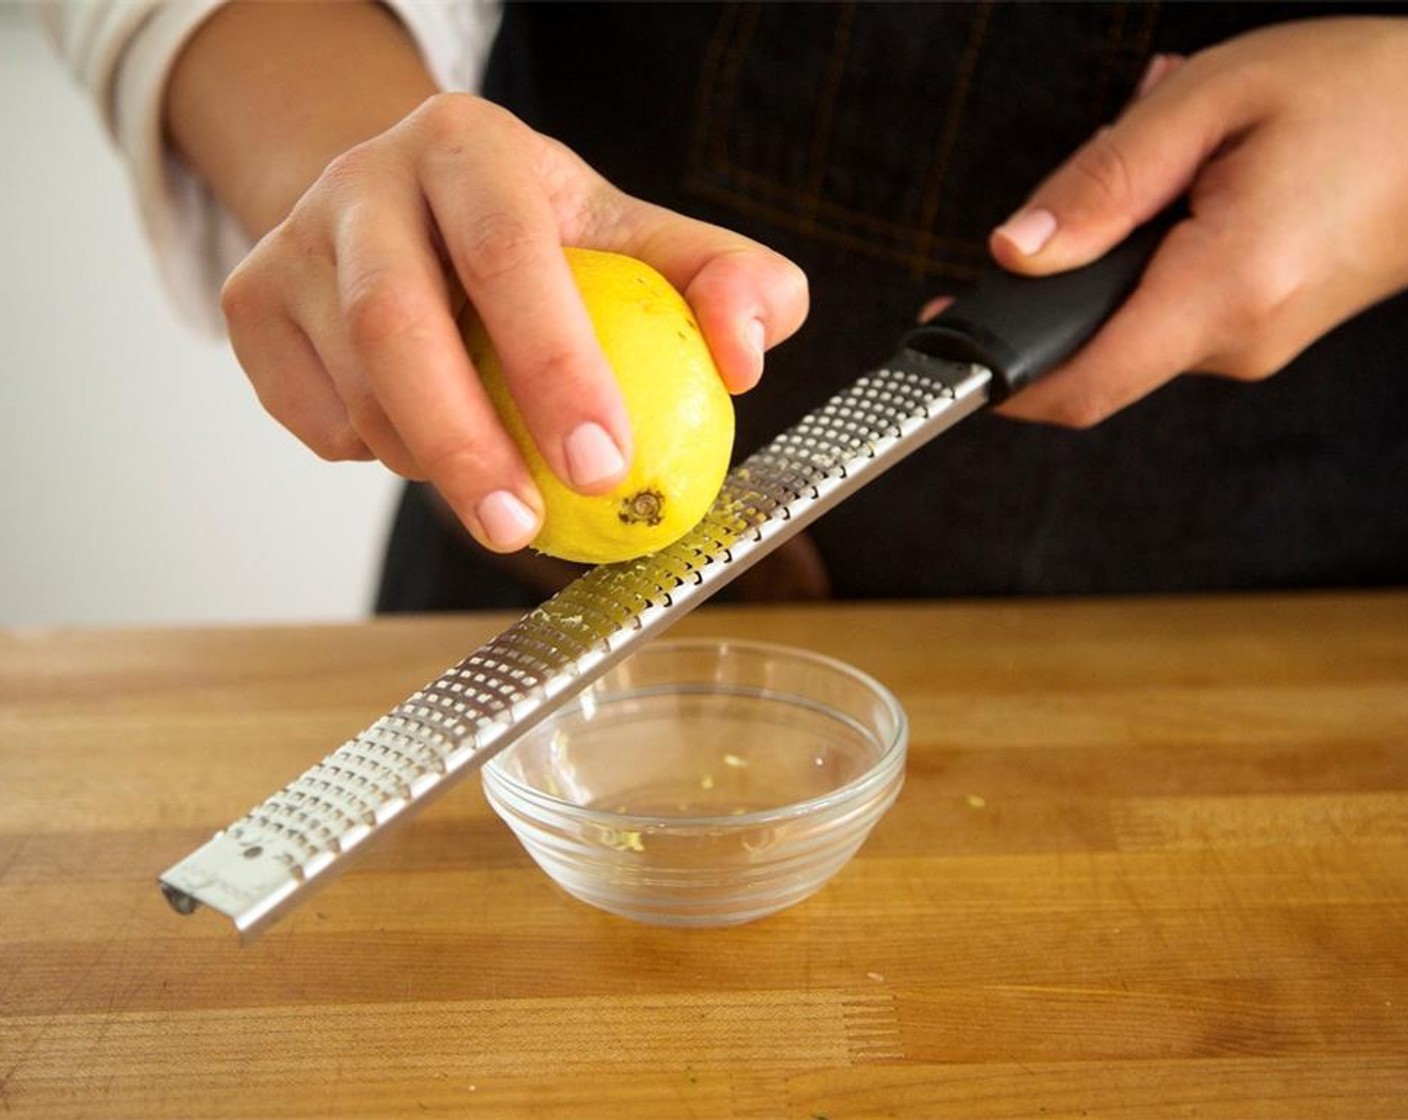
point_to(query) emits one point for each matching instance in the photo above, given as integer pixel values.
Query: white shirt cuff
(124, 52)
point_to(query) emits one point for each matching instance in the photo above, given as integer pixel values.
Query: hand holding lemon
(680, 414)
(343, 319)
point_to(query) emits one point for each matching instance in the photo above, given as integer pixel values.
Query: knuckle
(561, 368)
(495, 245)
(279, 403)
(330, 437)
(1101, 162)
(458, 460)
(238, 296)
(378, 310)
(1248, 324)
(338, 443)
(242, 296)
(347, 169)
(1255, 362)
(365, 416)
(499, 239)
(1077, 418)
(1079, 410)
(557, 371)
(1263, 289)
(446, 118)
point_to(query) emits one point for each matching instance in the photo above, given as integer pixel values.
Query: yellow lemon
(680, 413)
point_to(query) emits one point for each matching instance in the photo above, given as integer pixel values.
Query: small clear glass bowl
(704, 783)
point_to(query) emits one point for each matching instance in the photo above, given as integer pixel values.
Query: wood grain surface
(1151, 861)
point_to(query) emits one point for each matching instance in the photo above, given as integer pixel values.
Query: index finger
(396, 306)
(504, 241)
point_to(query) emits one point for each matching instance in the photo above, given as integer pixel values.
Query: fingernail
(507, 521)
(932, 308)
(592, 455)
(1153, 74)
(758, 338)
(1029, 230)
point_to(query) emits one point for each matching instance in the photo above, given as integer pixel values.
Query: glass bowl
(704, 783)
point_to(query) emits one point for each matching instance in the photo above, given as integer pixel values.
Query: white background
(140, 482)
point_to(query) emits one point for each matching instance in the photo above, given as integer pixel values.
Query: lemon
(681, 416)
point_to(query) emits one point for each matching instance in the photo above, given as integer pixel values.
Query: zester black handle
(1021, 327)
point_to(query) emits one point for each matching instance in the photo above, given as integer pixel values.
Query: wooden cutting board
(1151, 861)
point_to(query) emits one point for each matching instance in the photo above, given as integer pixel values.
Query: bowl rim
(882, 770)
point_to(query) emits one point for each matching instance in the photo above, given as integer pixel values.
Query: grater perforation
(260, 865)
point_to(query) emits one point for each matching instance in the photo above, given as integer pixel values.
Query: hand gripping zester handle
(267, 861)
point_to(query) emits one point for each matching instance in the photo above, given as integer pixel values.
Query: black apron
(876, 146)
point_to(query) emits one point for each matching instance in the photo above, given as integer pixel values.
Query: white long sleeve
(122, 52)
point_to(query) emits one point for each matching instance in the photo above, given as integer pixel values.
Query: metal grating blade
(261, 865)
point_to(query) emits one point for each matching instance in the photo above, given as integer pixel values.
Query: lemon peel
(681, 416)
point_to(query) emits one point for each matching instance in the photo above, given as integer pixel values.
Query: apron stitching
(1113, 57)
(1144, 42)
(898, 254)
(728, 83)
(717, 175)
(899, 248)
(706, 89)
(759, 183)
(924, 242)
(1110, 62)
(821, 137)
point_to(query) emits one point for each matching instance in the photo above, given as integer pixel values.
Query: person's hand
(343, 315)
(381, 206)
(1291, 144)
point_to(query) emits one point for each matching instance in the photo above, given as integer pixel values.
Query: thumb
(1124, 175)
(746, 297)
